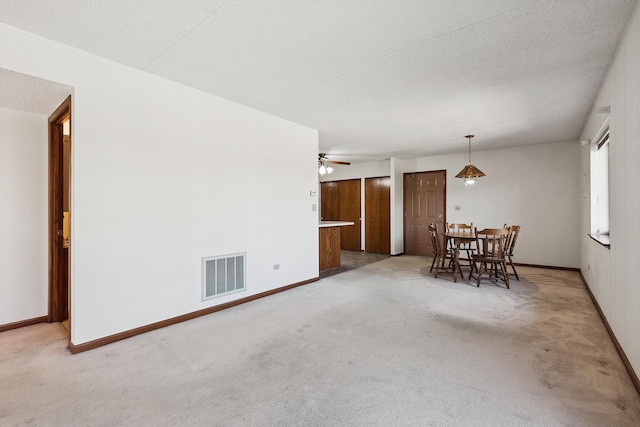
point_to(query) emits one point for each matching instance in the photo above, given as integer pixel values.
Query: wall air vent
(222, 275)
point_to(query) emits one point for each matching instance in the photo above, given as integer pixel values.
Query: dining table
(459, 238)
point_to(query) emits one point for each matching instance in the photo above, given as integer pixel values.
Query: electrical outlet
(314, 208)
(276, 266)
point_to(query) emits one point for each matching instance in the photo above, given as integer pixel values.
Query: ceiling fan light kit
(470, 173)
(324, 164)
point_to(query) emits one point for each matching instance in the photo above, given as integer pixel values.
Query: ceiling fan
(324, 164)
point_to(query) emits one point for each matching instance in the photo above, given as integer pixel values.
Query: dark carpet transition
(353, 259)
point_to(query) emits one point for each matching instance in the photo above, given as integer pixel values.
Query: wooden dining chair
(443, 257)
(467, 247)
(491, 257)
(511, 243)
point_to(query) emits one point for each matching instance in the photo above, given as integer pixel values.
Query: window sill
(603, 239)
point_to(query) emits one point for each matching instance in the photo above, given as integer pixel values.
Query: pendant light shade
(470, 173)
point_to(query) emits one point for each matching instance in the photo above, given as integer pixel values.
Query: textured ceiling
(402, 78)
(30, 94)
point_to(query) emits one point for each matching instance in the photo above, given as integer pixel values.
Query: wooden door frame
(404, 201)
(55, 179)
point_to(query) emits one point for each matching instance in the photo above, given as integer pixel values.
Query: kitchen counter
(329, 243)
(322, 224)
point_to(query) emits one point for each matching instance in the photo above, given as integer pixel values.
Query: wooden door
(424, 203)
(377, 202)
(349, 208)
(58, 258)
(341, 201)
(329, 207)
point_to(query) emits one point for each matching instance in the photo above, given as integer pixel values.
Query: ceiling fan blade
(338, 163)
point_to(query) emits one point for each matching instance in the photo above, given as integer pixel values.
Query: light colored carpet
(385, 344)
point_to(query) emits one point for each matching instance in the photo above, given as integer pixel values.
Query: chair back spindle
(442, 257)
(511, 244)
(435, 239)
(491, 244)
(465, 229)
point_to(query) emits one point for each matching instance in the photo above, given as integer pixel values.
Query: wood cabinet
(329, 243)
(329, 239)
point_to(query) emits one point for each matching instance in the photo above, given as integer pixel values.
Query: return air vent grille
(222, 275)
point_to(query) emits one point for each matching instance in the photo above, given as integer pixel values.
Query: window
(600, 188)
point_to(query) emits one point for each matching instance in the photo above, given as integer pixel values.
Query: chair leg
(514, 268)
(435, 257)
(479, 274)
(451, 266)
(503, 267)
(496, 272)
(436, 260)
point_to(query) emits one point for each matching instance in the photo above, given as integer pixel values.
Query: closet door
(349, 210)
(377, 210)
(329, 205)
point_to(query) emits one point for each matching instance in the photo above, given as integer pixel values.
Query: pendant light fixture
(469, 173)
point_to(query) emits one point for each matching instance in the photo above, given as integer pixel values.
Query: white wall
(397, 209)
(23, 215)
(534, 186)
(162, 175)
(612, 274)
